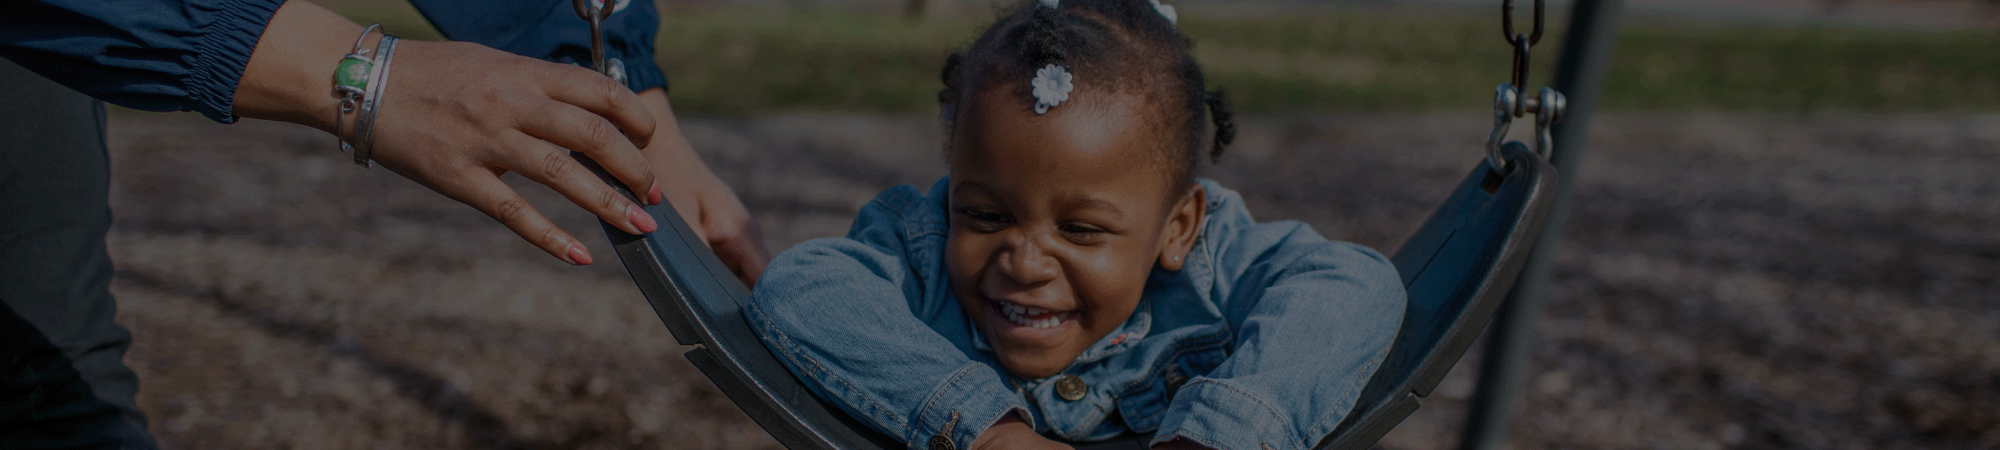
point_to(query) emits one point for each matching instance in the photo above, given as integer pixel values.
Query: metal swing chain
(595, 11)
(1547, 105)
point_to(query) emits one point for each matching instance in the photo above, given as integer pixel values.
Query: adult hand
(455, 116)
(1010, 433)
(708, 205)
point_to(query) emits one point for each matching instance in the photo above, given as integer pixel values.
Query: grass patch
(1805, 69)
(736, 61)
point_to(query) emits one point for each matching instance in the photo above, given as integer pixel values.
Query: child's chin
(1027, 357)
(1032, 366)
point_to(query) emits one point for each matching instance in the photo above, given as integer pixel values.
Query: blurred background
(1786, 231)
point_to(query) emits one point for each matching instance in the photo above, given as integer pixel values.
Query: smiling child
(1072, 279)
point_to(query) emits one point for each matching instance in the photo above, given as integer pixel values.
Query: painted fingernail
(577, 255)
(640, 220)
(653, 196)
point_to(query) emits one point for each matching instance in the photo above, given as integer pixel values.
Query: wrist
(667, 144)
(669, 150)
(290, 74)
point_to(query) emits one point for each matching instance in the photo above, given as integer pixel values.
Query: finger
(550, 165)
(500, 202)
(745, 257)
(602, 96)
(690, 208)
(576, 129)
(740, 245)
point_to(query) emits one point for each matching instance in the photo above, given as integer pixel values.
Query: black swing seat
(1457, 269)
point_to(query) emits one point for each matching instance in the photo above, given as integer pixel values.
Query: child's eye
(1080, 229)
(984, 220)
(1082, 233)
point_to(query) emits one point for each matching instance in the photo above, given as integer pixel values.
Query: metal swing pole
(1586, 54)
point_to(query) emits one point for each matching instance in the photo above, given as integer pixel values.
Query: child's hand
(1010, 433)
(709, 206)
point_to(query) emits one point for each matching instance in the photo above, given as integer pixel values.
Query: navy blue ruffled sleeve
(154, 55)
(550, 30)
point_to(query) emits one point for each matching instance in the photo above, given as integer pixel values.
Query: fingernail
(653, 196)
(577, 255)
(640, 220)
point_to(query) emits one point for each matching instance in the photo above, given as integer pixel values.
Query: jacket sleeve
(153, 55)
(1312, 320)
(550, 30)
(839, 313)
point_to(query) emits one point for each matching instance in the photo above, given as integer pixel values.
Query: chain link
(595, 12)
(1521, 43)
(1547, 105)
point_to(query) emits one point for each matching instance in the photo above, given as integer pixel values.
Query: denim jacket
(1262, 340)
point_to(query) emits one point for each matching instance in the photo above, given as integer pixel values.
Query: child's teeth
(1018, 315)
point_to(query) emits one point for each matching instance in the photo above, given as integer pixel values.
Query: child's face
(1056, 222)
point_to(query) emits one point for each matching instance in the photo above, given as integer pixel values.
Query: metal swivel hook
(1548, 108)
(1504, 101)
(595, 11)
(1547, 105)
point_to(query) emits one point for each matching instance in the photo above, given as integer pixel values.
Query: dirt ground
(1730, 281)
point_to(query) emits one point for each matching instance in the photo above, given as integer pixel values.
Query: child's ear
(1183, 227)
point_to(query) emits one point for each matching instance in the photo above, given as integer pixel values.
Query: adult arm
(153, 55)
(842, 315)
(550, 30)
(454, 116)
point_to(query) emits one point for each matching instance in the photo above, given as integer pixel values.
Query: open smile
(1032, 317)
(1024, 324)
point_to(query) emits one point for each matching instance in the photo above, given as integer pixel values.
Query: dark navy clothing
(63, 380)
(154, 55)
(188, 55)
(551, 30)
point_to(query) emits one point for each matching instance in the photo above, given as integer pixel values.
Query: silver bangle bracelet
(351, 82)
(385, 53)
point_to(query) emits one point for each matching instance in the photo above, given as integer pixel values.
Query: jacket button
(939, 442)
(1070, 387)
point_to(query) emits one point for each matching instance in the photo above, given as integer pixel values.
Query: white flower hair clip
(1052, 86)
(1167, 11)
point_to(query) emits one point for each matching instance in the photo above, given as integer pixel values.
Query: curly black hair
(1119, 45)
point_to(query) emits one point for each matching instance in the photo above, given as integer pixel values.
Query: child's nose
(1026, 262)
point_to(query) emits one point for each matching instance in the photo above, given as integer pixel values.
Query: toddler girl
(1071, 279)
